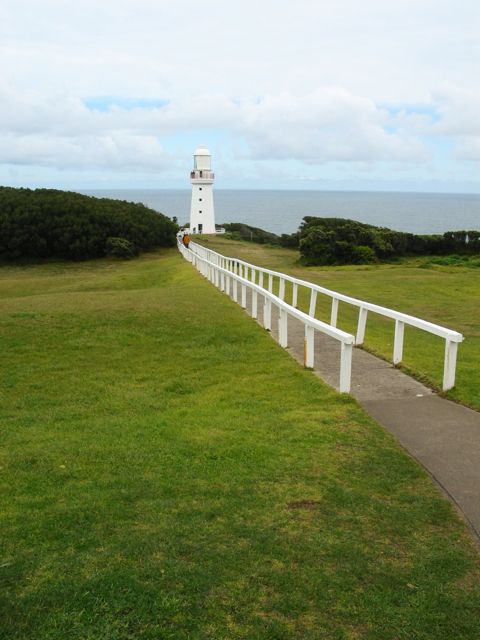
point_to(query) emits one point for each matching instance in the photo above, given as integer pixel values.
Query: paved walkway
(442, 435)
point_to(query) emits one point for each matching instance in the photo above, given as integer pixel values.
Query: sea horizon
(282, 210)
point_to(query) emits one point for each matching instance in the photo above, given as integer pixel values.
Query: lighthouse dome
(202, 150)
(202, 158)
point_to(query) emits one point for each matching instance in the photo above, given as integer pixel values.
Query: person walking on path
(186, 239)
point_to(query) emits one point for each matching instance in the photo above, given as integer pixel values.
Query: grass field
(448, 295)
(168, 471)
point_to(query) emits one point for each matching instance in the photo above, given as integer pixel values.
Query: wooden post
(267, 314)
(313, 303)
(334, 312)
(282, 327)
(254, 304)
(398, 342)
(345, 367)
(362, 320)
(449, 364)
(295, 295)
(309, 346)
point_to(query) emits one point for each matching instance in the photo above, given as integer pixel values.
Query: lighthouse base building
(202, 215)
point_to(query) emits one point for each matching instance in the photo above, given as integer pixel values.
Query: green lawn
(447, 295)
(168, 471)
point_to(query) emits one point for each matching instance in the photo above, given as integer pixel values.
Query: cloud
(460, 120)
(328, 124)
(115, 151)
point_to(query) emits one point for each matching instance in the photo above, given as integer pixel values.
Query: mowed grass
(446, 295)
(167, 471)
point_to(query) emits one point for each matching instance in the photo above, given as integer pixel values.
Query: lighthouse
(202, 216)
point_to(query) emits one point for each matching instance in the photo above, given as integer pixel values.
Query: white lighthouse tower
(202, 216)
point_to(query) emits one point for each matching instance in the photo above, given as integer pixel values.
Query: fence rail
(243, 269)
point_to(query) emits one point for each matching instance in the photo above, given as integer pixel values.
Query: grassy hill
(168, 471)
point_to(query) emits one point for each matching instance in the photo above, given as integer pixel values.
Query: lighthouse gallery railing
(241, 268)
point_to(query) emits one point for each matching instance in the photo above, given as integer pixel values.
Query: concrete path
(442, 435)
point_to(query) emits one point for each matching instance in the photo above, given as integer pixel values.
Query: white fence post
(362, 319)
(267, 313)
(345, 367)
(254, 304)
(309, 347)
(244, 296)
(270, 283)
(313, 303)
(334, 312)
(398, 342)
(235, 290)
(449, 364)
(295, 294)
(281, 290)
(283, 327)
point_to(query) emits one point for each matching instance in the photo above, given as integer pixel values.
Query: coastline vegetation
(47, 223)
(339, 241)
(168, 471)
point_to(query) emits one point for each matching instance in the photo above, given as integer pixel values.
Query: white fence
(241, 270)
(229, 281)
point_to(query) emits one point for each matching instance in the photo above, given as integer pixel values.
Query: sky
(304, 94)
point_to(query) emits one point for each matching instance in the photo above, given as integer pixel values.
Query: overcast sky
(300, 94)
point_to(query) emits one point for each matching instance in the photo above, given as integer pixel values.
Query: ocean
(282, 211)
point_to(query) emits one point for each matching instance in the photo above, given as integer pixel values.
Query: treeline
(342, 241)
(47, 223)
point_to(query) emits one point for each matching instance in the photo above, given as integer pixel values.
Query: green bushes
(342, 241)
(46, 223)
(241, 231)
(120, 248)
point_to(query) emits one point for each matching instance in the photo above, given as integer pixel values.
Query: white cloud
(460, 120)
(326, 125)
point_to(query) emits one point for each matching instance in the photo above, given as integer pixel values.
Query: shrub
(120, 248)
(241, 231)
(46, 223)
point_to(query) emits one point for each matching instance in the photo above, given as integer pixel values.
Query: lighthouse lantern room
(202, 216)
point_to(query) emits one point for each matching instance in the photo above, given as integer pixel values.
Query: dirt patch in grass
(308, 505)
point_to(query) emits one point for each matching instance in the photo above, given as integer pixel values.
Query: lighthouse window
(200, 188)
(200, 211)
(200, 199)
